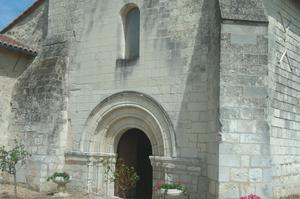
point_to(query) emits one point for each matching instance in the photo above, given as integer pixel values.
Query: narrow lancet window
(132, 33)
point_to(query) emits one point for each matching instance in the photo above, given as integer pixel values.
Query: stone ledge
(189, 165)
(243, 10)
(82, 158)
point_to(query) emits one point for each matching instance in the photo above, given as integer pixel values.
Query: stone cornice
(243, 10)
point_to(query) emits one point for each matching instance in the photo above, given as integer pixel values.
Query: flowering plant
(251, 196)
(165, 186)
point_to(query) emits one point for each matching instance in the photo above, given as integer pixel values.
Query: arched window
(131, 23)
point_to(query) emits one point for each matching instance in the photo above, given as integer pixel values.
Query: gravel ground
(23, 193)
(6, 192)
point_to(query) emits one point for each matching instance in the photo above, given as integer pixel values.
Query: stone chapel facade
(211, 88)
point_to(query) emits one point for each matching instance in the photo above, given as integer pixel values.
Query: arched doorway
(134, 148)
(112, 118)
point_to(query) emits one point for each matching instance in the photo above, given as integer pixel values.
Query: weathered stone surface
(284, 98)
(12, 65)
(243, 114)
(224, 112)
(38, 110)
(244, 10)
(176, 67)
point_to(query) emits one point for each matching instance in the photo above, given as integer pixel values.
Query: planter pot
(171, 192)
(125, 198)
(61, 187)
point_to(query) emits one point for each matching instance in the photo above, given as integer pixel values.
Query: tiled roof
(22, 15)
(10, 43)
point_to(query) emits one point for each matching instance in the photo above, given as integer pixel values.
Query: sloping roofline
(28, 11)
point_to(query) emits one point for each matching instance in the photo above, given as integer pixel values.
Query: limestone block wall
(12, 64)
(178, 67)
(284, 107)
(248, 10)
(39, 97)
(77, 167)
(39, 114)
(190, 65)
(244, 153)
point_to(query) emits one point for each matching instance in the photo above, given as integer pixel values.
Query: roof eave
(16, 49)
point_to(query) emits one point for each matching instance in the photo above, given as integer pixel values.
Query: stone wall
(12, 65)
(39, 113)
(178, 67)
(39, 99)
(214, 82)
(243, 10)
(259, 99)
(77, 166)
(244, 153)
(284, 85)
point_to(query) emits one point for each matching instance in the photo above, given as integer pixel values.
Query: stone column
(90, 180)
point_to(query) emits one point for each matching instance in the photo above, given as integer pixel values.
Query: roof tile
(8, 42)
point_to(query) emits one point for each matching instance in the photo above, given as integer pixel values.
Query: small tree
(125, 177)
(10, 158)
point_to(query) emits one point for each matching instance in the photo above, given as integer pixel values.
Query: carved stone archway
(112, 118)
(122, 111)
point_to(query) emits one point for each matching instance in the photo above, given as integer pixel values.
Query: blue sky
(10, 9)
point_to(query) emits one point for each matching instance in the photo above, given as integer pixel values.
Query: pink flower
(157, 186)
(250, 196)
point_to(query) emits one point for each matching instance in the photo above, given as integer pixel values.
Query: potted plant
(61, 179)
(171, 189)
(125, 177)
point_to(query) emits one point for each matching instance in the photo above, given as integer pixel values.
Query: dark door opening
(134, 149)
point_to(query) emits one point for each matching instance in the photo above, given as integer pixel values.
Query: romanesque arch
(121, 112)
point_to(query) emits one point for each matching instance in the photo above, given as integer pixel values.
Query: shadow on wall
(38, 112)
(13, 64)
(198, 116)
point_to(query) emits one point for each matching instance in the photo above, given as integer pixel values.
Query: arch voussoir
(122, 111)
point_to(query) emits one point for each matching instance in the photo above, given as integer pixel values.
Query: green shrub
(125, 177)
(64, 175)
